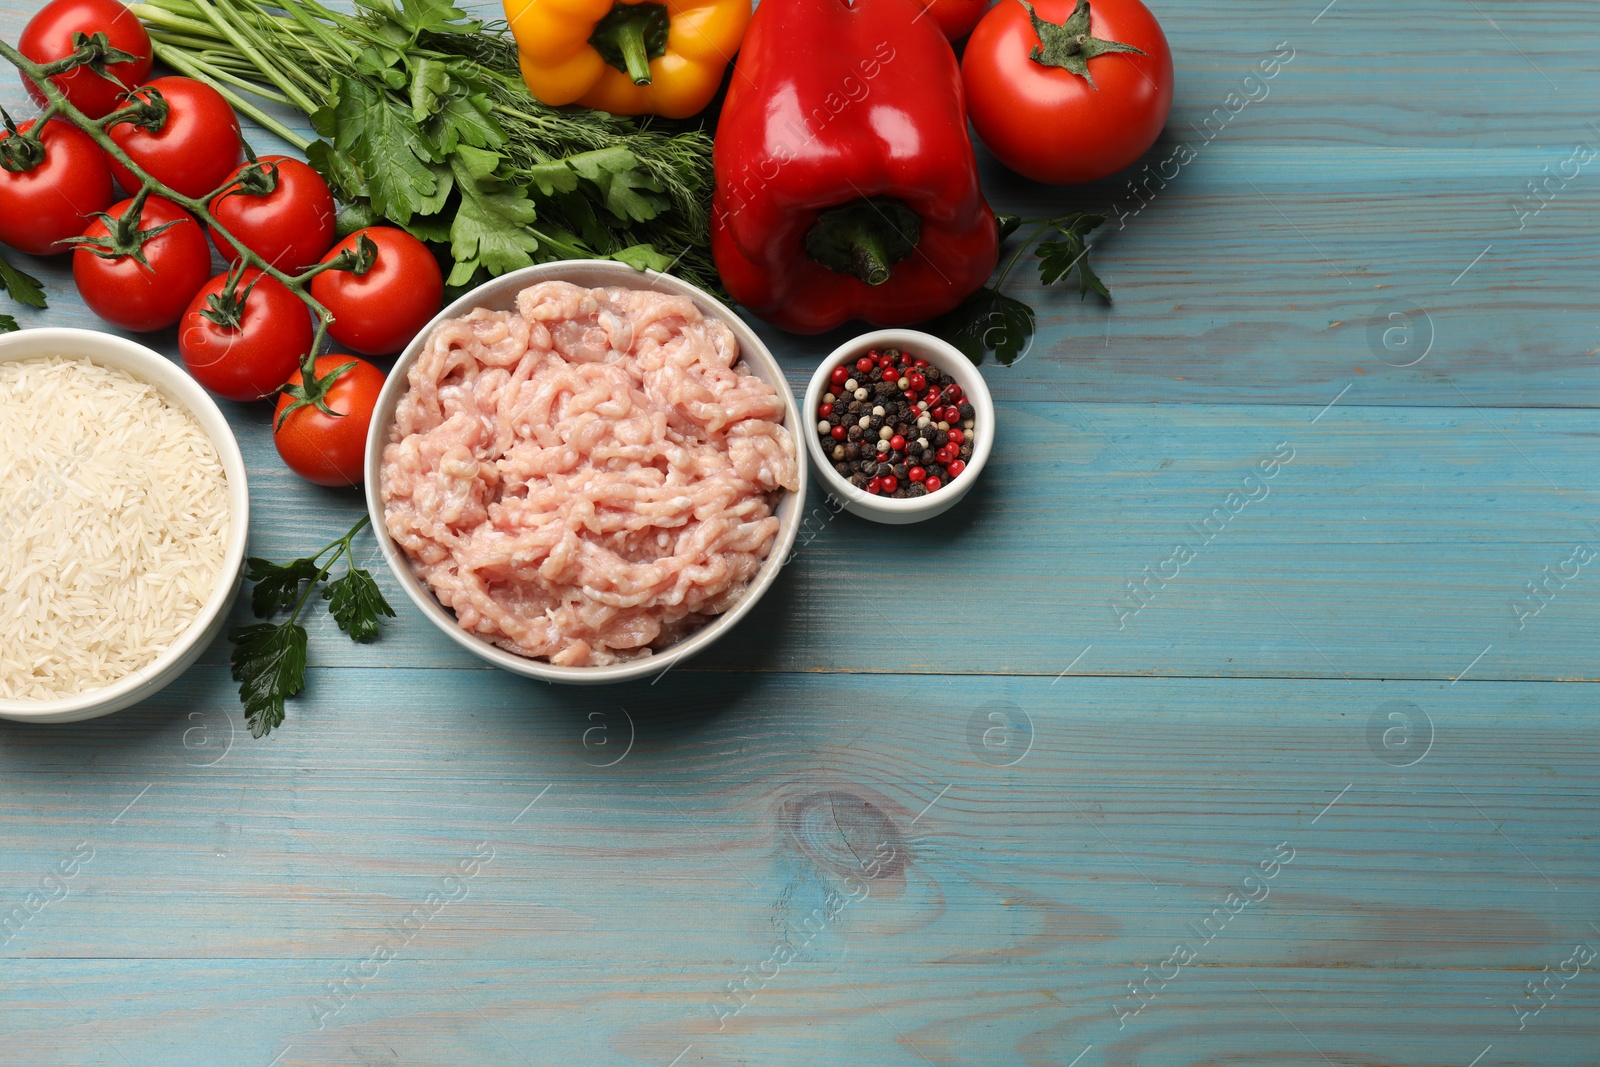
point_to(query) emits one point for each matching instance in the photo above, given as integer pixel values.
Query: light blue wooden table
(1325, 794)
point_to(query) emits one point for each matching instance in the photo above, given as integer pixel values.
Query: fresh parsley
(24, 289)
(990, 321)
(269, 658)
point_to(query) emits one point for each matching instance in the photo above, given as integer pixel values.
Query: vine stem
(58, 104)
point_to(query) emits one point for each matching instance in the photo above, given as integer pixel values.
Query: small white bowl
(109, 350)
(947, 358)
(501, 295)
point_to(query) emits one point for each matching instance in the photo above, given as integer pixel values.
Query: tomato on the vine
(191, 149)
(48, 37)
(244, 335)
(1066, 94)
(956, 17)
(141, 296)
(322, 448)
(379, 311)
(280, 209)
(42, 206)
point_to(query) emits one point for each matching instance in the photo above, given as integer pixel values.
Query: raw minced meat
(588, 478)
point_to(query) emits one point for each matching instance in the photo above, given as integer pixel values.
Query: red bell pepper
(846, 186)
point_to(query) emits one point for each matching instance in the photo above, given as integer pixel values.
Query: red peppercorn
(864, 364)
(919, 382)
(840, 373)
(911, 398)
(888, 483)
(931, 396)
(933, 484)
(952, 415)
(952, 391)
(955, 467)
(824, 410)
(920, 364)
(875, 486)
(838, 433)
(956, 436)
(897, 443)
(916, 474)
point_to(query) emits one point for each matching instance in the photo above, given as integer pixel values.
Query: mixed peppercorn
(895, 425)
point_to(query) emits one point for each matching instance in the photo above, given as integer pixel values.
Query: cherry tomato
(1045, 121)
(41, 207)
(322, 448)
(48, 37)
(956, 17)
(263, 333)
(195, 149)
(379, 312)
(130, 294)
(291, 227)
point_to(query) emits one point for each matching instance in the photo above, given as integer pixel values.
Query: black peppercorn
(859, 480)
(852, 451)
(917, 489)
(900, 470)
(940, 439)
(853, 433)
(883, 469)
(876, 423)
(966, 452)
(843, 469)
(966, 411)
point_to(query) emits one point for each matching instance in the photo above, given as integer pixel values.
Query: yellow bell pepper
(629, 57)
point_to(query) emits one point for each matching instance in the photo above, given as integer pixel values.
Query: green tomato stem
(56, 99)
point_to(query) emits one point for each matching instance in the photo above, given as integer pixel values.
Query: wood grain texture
(954, 794)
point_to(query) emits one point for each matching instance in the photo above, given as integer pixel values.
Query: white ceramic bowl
(112, 351)
(947, 358)
(501, 294)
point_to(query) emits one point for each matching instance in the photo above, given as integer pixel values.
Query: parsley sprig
(24, 288)
(269, 658)
(990, 321)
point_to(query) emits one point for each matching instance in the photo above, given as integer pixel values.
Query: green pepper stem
(864, 238)
(630, 39)
(630, 36)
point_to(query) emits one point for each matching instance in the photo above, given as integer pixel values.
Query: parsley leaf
(1057, 259)
(8, 324)
(385, 146)
(642, 257)
(269, 659)
(988, 321)
(278, 587)
(24, 288)
(627, 189)
(490, 229)
(269, 663)
(355, 602)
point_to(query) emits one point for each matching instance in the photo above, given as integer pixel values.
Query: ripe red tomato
(41, 207)
(379, 312)
(956, 17)
(1045, 121)
(130, 294)
(194, 151)
(48, 37)
(243, 345)
(322, 448)
(291, 227)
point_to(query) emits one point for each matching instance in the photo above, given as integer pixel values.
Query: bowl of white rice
(123, 518)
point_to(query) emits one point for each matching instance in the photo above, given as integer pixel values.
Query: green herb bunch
(425, 122)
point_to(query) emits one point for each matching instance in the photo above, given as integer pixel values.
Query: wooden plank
(1426, 523)
(1107, 810)
(1011, 891)
(835, 1009)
